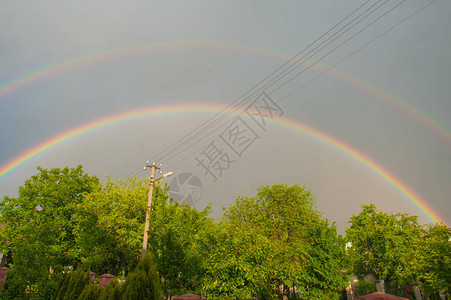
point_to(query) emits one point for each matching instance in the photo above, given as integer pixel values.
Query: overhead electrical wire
(331, 67)
(226, 111)
(337, 47)
(168, 156)
(165, 152)
(356, 51)
(304, 58)
(179, 145)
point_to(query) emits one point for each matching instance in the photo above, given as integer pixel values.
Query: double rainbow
(179, 109)
(40, 74)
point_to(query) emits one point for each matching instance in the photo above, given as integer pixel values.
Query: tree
(110, 225)
(434, 251)
(92, 292)
(144, 281)
(236, 264)
(326, 261)
(174, 233)
(39, 227)
(113, 291)
(62, 287)
(304, 250)
(384, 245)
(397, 249)
(77, 284)
(71, 285)
(14, 287)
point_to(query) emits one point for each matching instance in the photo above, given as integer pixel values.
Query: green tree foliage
(62, 287)
(326, 261)
(434, 252)
(39, 225)
(64, 217)
(113, 291)
(92, 292)
(287, 244)
(30, 261)
(384, 245)
(236, 264)
(14, 287)
(144, 281)
(397, 249)
(110, 225)
(47, 288)
(174, 233)
(364, 288)
(77, 284)
(71, 285)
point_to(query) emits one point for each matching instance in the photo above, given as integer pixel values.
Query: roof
(188, 297)
(380, 296)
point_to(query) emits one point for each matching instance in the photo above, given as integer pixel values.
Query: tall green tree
(110, 225)
(384, 245)
(434, 255)
(304, 250)
(113, 291)
(174, 233)
(79, 280)
(236, 263)
(92, 292)
(397, 249)
(39, 226)
(144, 281)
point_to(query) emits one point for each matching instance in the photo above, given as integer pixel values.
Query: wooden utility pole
(149, 204)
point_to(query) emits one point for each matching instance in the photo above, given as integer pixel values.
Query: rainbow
(161, 110)
(47, 71)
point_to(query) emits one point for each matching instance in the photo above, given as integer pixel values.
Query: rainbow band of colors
(153, 111)
(40, 74)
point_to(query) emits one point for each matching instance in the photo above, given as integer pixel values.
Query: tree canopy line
(65, 221)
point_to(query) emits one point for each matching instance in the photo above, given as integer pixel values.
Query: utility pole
(149, 199)
(149, 203)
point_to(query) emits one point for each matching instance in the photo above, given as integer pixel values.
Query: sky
(113, 84)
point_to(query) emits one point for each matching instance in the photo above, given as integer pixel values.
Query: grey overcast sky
(65, 64)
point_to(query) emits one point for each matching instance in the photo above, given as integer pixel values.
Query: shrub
(92, 292)
(14, 287)
(364, 288)
(144, 282)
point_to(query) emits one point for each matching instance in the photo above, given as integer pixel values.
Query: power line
(339, 46)
(194, 133)
(225, 113)
(388, 11)
(305, 58)
(356, 51)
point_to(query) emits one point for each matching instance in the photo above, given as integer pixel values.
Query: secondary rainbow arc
(152, 111)
(26, 79)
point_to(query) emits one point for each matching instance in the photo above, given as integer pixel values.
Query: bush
(77, 284)
(14, 287)
(71, 286)
(144, 282)
(92, 292)
(113, 291)
(62, 287)
(365, 288)
(47, 289)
